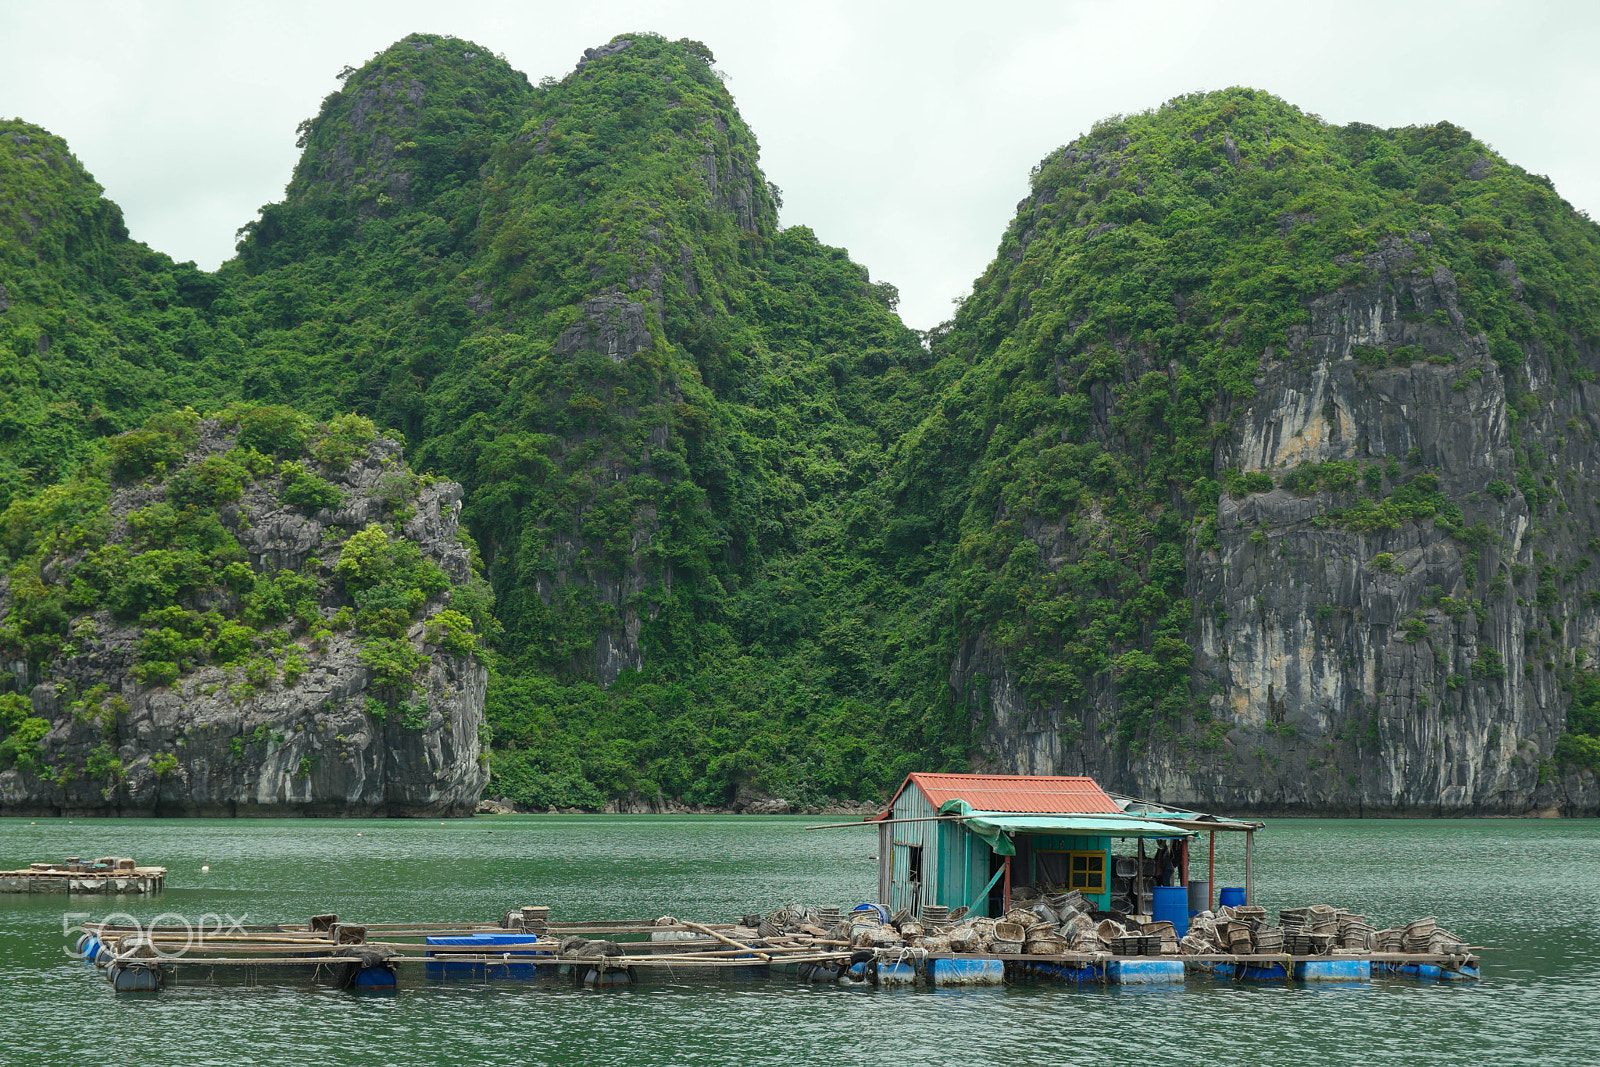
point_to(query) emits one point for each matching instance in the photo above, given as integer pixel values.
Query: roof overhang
(998, 827)
(1086, 825)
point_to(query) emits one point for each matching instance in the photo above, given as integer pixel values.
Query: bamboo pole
(1249, 868)
(542, 961)
(726, 940)
(1211, 873)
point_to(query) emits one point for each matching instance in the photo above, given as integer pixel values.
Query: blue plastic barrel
(878, 911)
(1171, 904)
(1230, 897)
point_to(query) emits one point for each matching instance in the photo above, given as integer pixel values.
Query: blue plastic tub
(1230, 897)
(1171, 904)
(478, 969)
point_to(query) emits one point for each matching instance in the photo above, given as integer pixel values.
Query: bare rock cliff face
(261, 739)
(1411, 670)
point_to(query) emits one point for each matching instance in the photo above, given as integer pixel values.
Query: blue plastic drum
(1230, 897)
(1171, 904)
(878, 911)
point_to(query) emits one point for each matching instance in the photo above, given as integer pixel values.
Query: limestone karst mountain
(1254, 473)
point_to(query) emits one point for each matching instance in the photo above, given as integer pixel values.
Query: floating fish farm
(1054, 938)
(982, 880)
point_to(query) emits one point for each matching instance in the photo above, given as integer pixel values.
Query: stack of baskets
(1445, 941)
(1355, 934)
(1167, 933)
(1043, 938)
(1136, 945)
(1313, 930)
(1269, 940)
(1419, 934)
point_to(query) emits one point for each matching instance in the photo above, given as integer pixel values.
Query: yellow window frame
(1086, 871)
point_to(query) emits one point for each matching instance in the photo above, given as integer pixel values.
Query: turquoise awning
(993, 826)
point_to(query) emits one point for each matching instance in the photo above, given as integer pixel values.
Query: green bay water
(1528, 888)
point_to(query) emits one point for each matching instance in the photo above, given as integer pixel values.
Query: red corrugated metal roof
(1016, 793)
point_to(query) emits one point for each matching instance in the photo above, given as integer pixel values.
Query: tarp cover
(994, 826)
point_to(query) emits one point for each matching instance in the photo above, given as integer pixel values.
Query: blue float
(1144, 970)
(601, 978)
(135, 977)
(1066, 972)
(967, 972)
(374, 978)
(896, 974)
(1248, 972)
(1332, 970)
(1427, 972)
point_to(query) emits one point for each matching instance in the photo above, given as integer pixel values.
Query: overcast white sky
(902, 131)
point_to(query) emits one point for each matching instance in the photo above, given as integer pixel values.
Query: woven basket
(964, 939)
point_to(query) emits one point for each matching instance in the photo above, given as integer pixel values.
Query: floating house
(968, 840)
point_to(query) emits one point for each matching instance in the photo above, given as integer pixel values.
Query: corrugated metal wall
(955, 861)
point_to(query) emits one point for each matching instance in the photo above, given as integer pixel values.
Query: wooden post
(1249, 872)
(1183, 862)
(1005, 899)
(886, 862)
(1211, 873)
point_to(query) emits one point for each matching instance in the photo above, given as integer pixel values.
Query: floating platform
(109, 874)
(388, 956)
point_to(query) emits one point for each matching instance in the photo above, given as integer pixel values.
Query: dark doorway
(914, 863)
(997, 895)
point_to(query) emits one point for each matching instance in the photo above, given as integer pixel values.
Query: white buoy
(358, 835)
(204, 867)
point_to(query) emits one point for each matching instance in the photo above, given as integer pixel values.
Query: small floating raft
(109, 874)
(524, 946)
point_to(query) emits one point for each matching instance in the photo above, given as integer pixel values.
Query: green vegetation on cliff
(93, 327)
(738, 519)
(1157, 263)
(673, 418)
(147, 536)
